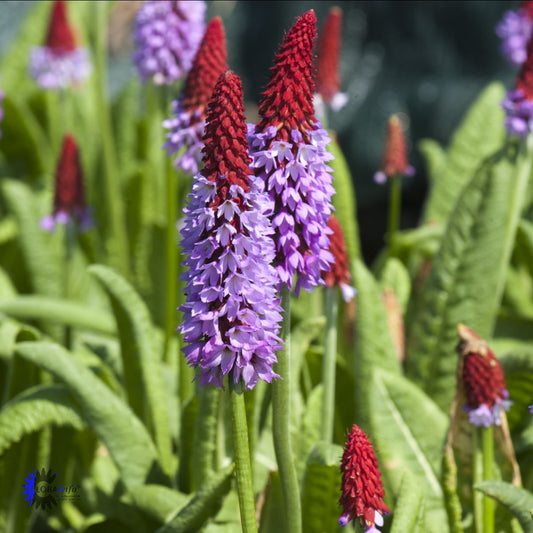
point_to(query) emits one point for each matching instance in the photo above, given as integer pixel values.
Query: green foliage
(410, 507)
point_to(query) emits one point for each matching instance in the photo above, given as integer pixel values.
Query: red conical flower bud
(339, 275)
(483, 379)
(527, 6)
(395, 157)
(362, 488)
(60, 37)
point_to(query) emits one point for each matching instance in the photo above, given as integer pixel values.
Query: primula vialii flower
(515, 30)
(187, 125)
(339, 275)
(232, 313)
(69, 195)
(167, 35)
(483, 380)
(327, 71)
(518, 104)
(59, 63)
(289, 154)
(362, 488)
(395, 162)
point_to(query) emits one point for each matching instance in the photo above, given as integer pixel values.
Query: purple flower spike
(289, 154)
(515, 30)
(232, 313)
(167, 35)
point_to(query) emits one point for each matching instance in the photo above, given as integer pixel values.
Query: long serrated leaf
(409, 509)
(321, 489)
(516, 500)
(34, 409)
(478, 136)
(204, 505)
(157, 501)
(400, 415)
(122, 433)
(141, 362)
(466, 281)
(434, 155)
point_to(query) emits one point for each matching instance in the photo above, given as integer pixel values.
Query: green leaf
(203, 506)
(273, 512)
(321, 489)
(434, 155)
(409, 510)
(122, 433)
(374, 345)
(157, 501)
(60, 311)
(396, 277)
(516, 500)
(141, 361)
(311, 425)
(37, 408)
(479, 135)
(344, 199)
(400, 415)
(466, 282)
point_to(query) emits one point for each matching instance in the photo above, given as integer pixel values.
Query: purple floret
(52, 70)
(515, 31)
(519, 111)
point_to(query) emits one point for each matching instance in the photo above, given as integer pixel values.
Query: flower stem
(487, 446)
(328, 364)
(242, 458)
(395, 205)
(281, 417)
(477, 477)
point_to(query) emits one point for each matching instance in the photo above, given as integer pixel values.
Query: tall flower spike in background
(187, 125)
(339, 275)
(362, 488)
(288, 148)
(515, 30)
(395, 162)
(69, 194)
(327, 71)
(518, 104)
(167, 35)
(59, 63)
(483, 380)
(231, 313)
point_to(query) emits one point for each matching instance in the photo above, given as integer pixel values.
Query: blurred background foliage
(426, 59)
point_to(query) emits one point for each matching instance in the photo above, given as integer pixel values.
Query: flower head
(59, 63)
(362, 488)
(69, 195)
(288, 148)
(187, 125)
(515, 30)
(167, 35)
(327, 72)
(483, 380)
(339, 275)
(395, 160)
(231, 313)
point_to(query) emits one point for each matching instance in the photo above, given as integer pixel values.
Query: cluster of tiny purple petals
(488, 416)
(167, 35)
(81, 216)
(531, 408)
(185, 137)
(232, 312)
(515, 30)
(298, 180)
(519, 113)
(59, 70)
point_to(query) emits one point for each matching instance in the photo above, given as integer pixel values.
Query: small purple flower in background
(167, 35)
(231, 313)
(515, 30)
(187, 125)
(59, 63)
(288, 147)
(531, 408)
(69, 194)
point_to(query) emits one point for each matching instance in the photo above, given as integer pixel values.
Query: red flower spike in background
(327, 72)
(339, 275)
(69, 194)
(483, 380)
(60, 37)
(395, 162)
(362, 488)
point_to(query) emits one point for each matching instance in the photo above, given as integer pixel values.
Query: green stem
(477, 477)
(53, 118)
(242, 458)
(70, 236)
(487, 446)
(116, 239)
(281, 418)
(328, 364)
(395, 206)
